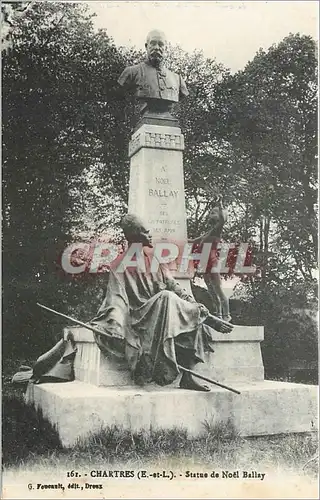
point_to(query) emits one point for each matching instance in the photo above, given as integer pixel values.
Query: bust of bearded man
(155, 86)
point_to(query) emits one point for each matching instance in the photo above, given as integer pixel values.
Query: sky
(230, 32)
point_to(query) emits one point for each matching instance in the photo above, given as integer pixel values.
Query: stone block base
(236, 357)
(78, 409)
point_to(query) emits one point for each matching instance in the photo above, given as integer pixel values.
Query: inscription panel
(165, 195)
(156, 176)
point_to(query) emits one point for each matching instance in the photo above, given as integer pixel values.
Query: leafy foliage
(55, 92)
(272, 127)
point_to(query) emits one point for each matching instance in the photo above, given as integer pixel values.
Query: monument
(103, 392)
(161, 326)
(156, 187)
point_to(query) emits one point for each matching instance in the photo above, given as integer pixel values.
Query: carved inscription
(168, 222)
(162, 180)
(165, 200)
(164, 193)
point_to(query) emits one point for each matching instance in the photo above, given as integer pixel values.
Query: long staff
(101, 332)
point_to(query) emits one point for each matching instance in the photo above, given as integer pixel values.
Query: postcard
(160, 207)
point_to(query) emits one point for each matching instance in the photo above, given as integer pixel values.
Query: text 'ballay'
(163, 193)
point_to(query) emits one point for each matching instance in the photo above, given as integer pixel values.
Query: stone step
(78, 409)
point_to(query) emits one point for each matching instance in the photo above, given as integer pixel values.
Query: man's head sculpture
(155, 45)
(135, 230)
(154, 85)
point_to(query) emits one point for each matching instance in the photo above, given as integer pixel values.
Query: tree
(271, 117)
(58, 84)
(11, 12)
(270, 122)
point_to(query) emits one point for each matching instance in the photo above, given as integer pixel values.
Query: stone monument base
(236, 358)
(78, 409)
(103, 394)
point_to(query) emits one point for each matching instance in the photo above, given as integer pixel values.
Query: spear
(76, 321)
(208, 379)
(101, 332)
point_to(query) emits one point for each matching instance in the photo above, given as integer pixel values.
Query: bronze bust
(156, 87)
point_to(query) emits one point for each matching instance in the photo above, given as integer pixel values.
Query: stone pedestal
(103, 394)
(78, 409)
(156, 187)
(236, 357)
(91, 366)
